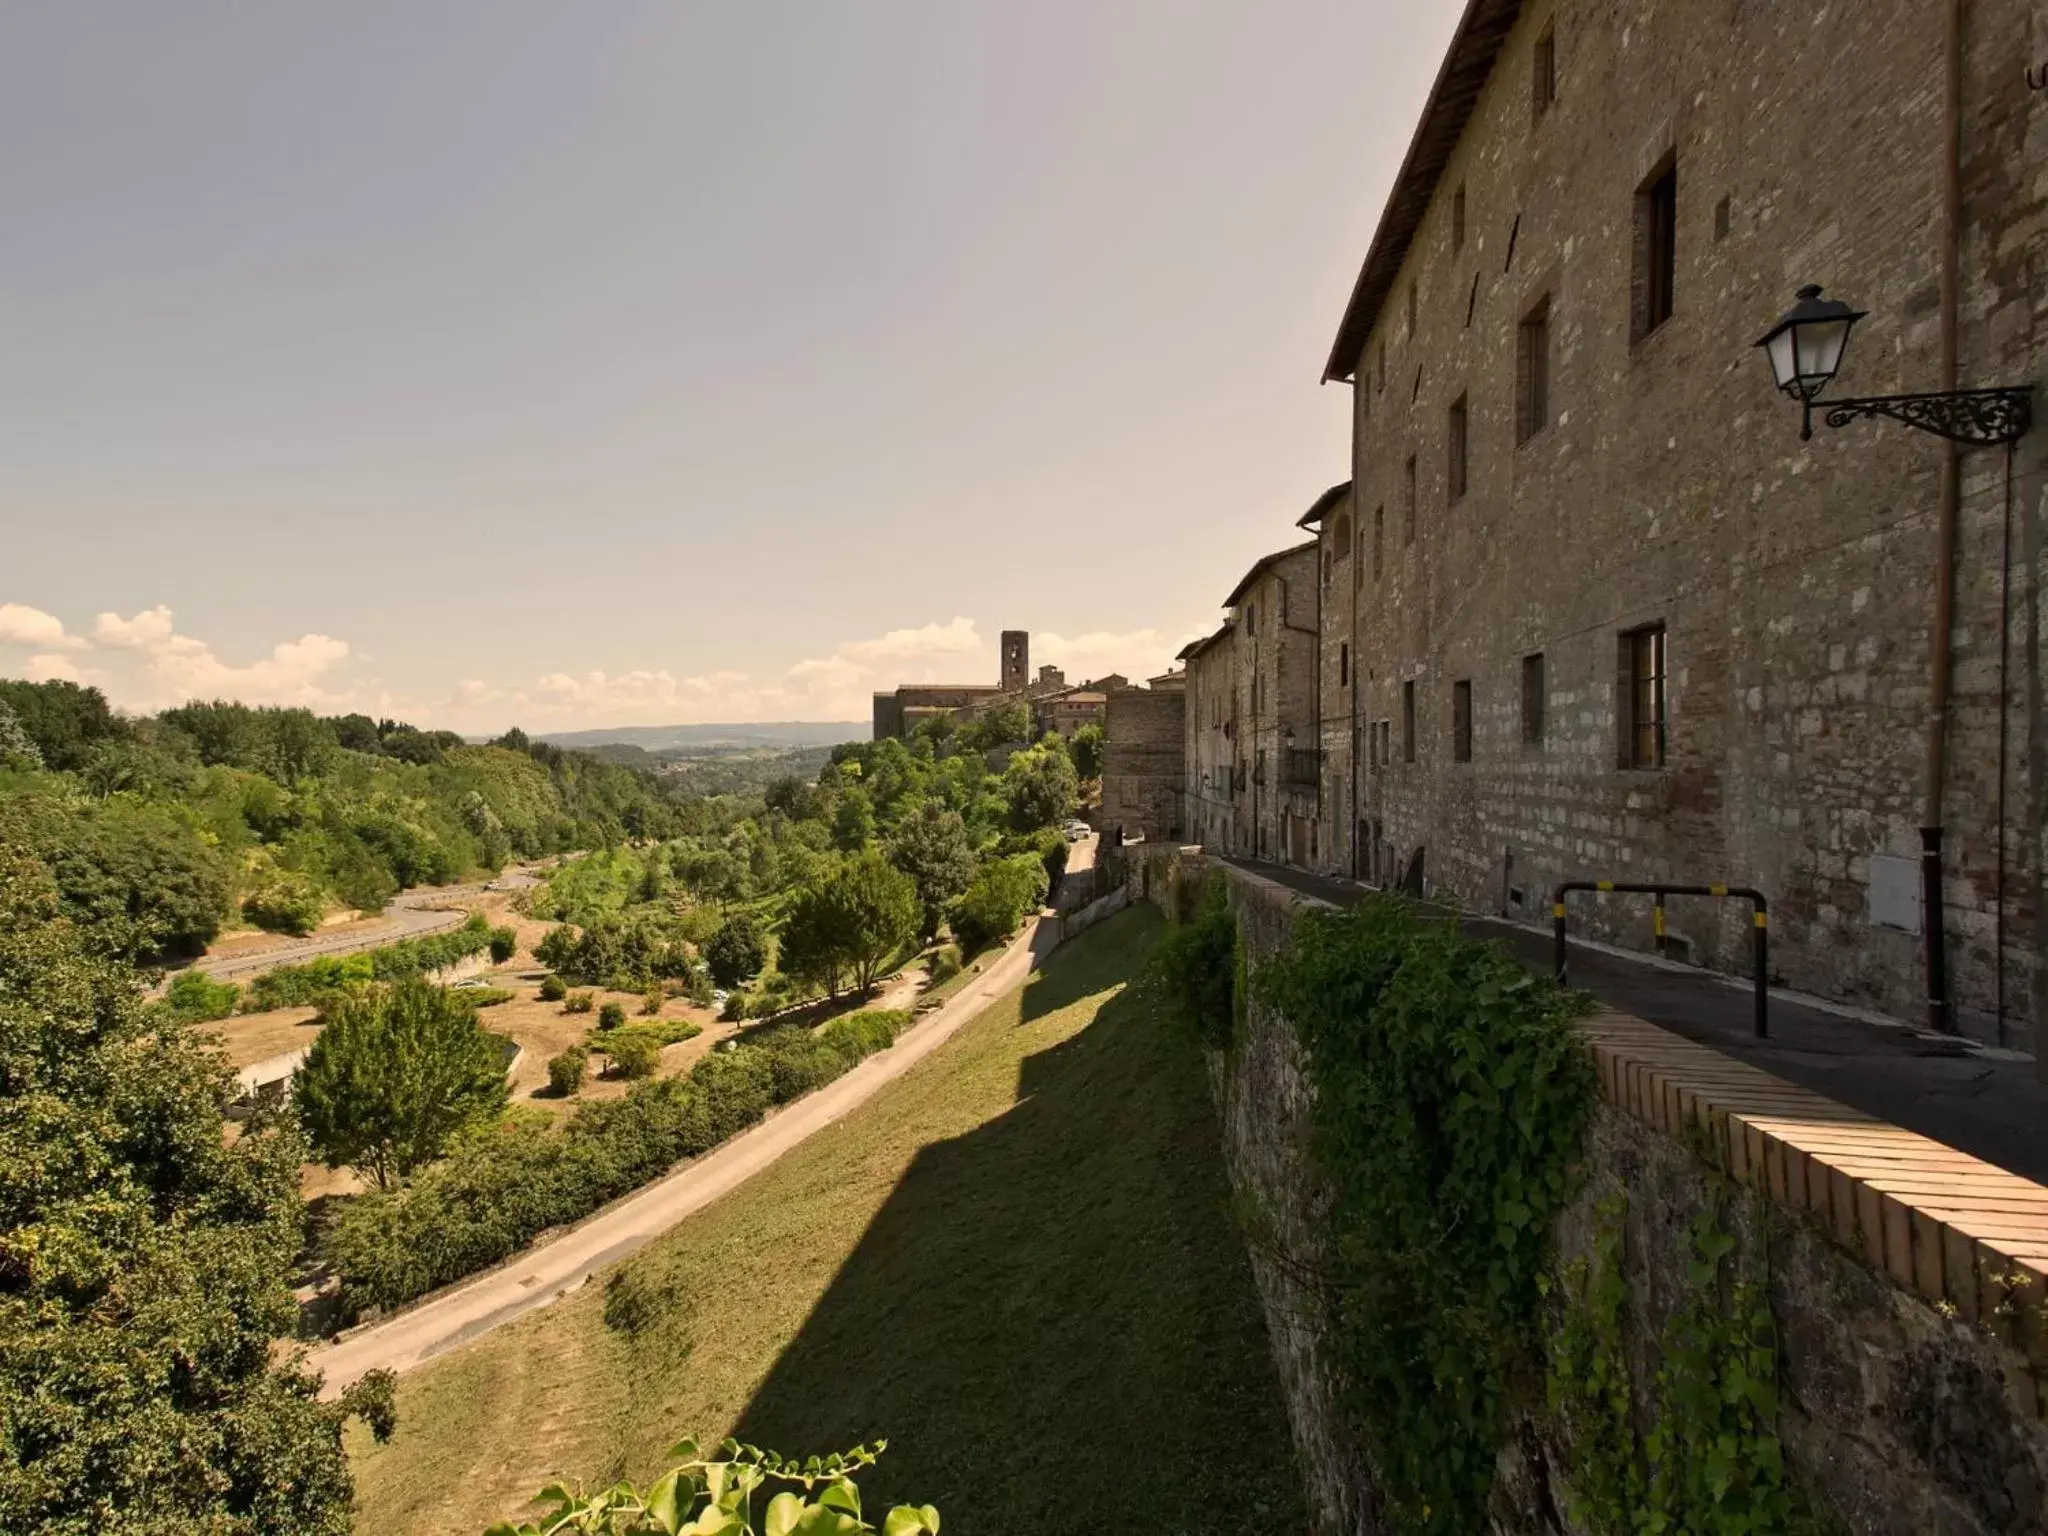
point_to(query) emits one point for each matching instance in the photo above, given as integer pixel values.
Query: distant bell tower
(1016, 660)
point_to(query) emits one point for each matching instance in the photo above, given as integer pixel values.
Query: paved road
(411, 914)
(543, 1275)
(1986, 1103)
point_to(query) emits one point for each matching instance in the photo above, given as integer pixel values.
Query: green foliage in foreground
(143, 1266)
(1452, 1100)
(497, 1189)
(396, 1074)
(553, 989)
(715, 1497)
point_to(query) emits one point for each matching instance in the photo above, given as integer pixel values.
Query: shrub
(322, 978)
(565, 1072)
(611, 1016)
(485, 997)
(195, 997)
(737, 951)
(946, 962)
(579, 1002)
(998, 899)
(553, 989)
(498, 1188)
(504, 945)
(652, 1000)
(1199, 962)
(632, 1055)
(286, 903)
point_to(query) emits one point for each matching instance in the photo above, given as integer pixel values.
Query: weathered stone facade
(1143, 772)
(1566, 504)
(1210, 767)
(1342, 844)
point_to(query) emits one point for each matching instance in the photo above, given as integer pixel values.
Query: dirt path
(543, 1275)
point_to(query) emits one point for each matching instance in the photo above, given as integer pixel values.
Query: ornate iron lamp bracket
(1982, 418)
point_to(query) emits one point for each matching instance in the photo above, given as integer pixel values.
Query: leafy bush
(946, 962)
(496, 1189)
(579, 1002)
(651, 1001)
(317, 980)
(611, 1016)
(504, 945)
(1452, 1099)
(998, 899)
(553, 989)
(485, 997)
(660, 1031)
(565, 1072)
(632, 1055)
(195, 997)
(628, 956)
(1200, 962)
(707, 1495)
(286, 903)
(737, 951)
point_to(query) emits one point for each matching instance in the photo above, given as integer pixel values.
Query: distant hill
(774, 733)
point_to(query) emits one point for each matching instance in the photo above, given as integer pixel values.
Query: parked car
(1078, 830)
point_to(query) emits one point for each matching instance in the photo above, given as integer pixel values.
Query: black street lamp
(1805, 349)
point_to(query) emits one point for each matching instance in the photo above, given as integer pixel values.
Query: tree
(996, 902)
(1040, 789)
(1087, 751)
(17, 748)
(141, 872)
(62, 719)
(147, 1285)
(853, 823)
(1005, 725)
(395, 1074)
(933, 848)
(737, 951)
(850, 921)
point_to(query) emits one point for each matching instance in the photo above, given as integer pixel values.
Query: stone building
(1210, 789)
(1143, 770)
(1342, 845)
(900, 710)
(1615, 618)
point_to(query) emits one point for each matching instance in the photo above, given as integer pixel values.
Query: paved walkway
(1988, 1104)
(539, 1276)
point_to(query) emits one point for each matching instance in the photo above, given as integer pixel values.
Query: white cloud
(955, 639)
(52, 666)
(1137, 654)
(150, 628)
(23, 625)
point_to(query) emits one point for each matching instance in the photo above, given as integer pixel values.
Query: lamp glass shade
(1779, 348)
(1820, 344)
(1805, 347)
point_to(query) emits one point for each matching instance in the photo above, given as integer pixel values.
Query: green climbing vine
(1200, 962)
(1712, 1463)
(1452, 1100)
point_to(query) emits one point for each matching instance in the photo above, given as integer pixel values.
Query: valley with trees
(672, 966)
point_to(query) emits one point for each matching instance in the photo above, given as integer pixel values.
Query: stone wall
(1143, 772)
(1900, 1415)
(1210, 737)
(1667, 484)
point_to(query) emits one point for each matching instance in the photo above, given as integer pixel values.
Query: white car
(1077, 831)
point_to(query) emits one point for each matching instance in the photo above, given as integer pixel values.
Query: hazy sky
(609, 362)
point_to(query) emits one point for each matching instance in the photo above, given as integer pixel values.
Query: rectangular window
(1408, 531)
(1408, 721)
(1380, 368)
(1411, 310)
(1656, 274)
(1379, 541)
(1343, 664)
(1454, 439)
(1640, 682)
(1543, 92)
(1532, 372)
(1461, 722)
(1458, 219)
(1532, 698)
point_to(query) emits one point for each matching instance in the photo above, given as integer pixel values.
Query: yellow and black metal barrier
(1760, 926)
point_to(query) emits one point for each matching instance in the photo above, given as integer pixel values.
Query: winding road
(539, 1276)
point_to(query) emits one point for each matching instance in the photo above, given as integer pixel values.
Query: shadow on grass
(1051, 1319)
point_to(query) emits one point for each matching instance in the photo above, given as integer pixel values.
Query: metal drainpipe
(1934, 917)
(2037, 757)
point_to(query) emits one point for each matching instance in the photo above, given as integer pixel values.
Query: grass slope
(1016, 1264)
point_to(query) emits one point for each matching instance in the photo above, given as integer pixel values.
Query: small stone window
(1343, 664)
(1341, 540)
(1379, 541)
(1408, 532)
(1458, 219)
(1461, 721)
(1543, 73)
(1408, 721)
(1640, 676)
(1411, 311)
(1654, 291)
(1532, 699)
(1532, 372)
(1455, 445)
